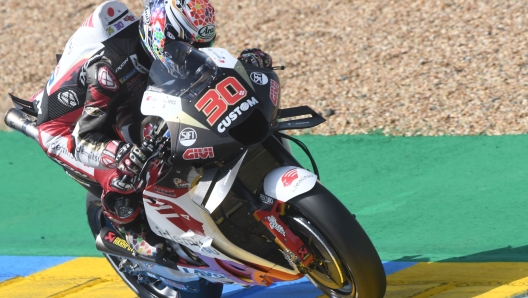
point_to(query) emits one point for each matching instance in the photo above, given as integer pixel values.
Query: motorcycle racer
(96, 89)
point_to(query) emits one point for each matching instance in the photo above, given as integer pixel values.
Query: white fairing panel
(221, 57)
(286, 183)
(163, 105)
(107, 20)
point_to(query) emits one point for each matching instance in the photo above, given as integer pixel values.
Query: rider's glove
(256, 57)
(130, 159)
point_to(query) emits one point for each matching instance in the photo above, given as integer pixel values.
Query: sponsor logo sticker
(68, 98)
(289, 177)
(274, 92)
(259, 78)
(303, 252)
(266, 199)
(118, 241)
(274, 225)
(107, 79)
(207, 31)
(238, 111)
(198, 153)
(188, 137)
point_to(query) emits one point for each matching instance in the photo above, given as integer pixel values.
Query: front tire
(347, 263)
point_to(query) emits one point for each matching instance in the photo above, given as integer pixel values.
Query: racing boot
(124, 217)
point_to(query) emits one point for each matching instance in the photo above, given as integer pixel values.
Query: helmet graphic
(162, 21)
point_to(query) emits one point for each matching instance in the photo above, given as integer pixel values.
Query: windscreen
(184, 72)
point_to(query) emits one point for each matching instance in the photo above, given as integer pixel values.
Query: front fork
(293, 248)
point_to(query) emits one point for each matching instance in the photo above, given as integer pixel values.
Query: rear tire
(352, 266)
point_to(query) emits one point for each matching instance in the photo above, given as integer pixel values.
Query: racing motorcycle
(223, 189)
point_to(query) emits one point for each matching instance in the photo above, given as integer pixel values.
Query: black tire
(319, 214)
(97, 221)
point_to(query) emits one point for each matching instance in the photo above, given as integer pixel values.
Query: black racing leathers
(77, 120)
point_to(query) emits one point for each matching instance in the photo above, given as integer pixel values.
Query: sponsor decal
(134, 82)
(300, 181)
(303, 252)
(90, 155)
(274, 225)
(274, 92)
(165, 191)
(177, 216)
(137, 65)
(107, 79)
(128, 76)
(180, 183)
(173, 283)
(109, 31)
(207, 31)
(203, 273)
(266, 199)
(259, 78)
(289, 177)
(198, 153)
(120, 67)
(190, 242)
(94, 111)
(235, 113)
(188, 137)
(146, 15)
(215, 102)
(82, 74)
(68, 98)
(119, 25)
(118, 241)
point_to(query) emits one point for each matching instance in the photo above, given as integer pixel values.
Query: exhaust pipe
(22, 122)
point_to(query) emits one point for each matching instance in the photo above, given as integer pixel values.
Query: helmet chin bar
(143, 51)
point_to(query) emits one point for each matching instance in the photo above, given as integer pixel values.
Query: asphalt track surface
(447, 215)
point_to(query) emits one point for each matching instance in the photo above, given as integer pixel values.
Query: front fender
(285, 183)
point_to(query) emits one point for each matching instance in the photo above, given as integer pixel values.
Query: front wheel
(346, 264)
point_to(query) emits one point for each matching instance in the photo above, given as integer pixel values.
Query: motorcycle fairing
(182, 221)
(285, 183)
(223, 184)
(215, 94)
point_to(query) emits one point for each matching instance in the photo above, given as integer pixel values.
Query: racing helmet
(164, 21)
